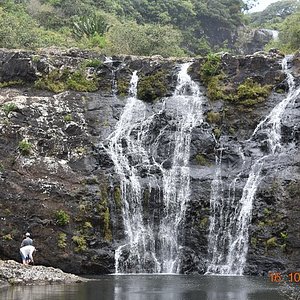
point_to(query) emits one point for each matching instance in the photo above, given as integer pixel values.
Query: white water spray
(150, 248)
(230, 220)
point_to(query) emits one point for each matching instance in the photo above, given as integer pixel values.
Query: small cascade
(153, 246)
(231, 217)
(114, 66)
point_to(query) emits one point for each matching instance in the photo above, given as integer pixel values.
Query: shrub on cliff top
(211, 67)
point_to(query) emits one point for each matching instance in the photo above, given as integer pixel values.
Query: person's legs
(23, 258)
(31, 254)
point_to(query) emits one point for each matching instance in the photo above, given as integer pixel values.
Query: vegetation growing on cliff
(219, 87)
(62, 218)
(153, 86)
(104, 212)
(58, 81)
(25, 147)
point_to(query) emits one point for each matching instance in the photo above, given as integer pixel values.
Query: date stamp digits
(293, 277)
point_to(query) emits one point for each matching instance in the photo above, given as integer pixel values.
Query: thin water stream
(230, 216)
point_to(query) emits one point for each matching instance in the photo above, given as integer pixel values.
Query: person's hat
(27, 234)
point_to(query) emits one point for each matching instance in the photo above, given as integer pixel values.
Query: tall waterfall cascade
(153, 246)
(231, 215)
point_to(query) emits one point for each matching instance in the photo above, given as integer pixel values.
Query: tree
(290, 32)
(131, 38)
(274, 14)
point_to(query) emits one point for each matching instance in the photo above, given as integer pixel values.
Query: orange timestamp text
(293, 277)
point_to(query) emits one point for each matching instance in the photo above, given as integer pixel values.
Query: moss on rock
(58, 81)
(123, 87)
(152, 87)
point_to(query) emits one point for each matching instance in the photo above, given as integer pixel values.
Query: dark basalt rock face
(253, 40)
(68, 169)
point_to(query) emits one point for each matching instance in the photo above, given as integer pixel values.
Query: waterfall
(153, 246)
(231, 217)
(176, 180)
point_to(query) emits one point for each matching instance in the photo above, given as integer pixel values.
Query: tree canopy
(144, 27)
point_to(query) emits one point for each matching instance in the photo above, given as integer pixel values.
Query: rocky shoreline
(14, 273)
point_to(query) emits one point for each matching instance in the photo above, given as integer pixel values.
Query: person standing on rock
(27, 249)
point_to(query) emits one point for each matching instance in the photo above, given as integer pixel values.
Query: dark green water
(153, 287)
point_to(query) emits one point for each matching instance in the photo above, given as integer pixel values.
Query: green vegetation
(104, 213)
(148, 39)
(58, 81)
(68, 118)
(87, 225)
(211, 67)
(293, 189)
(9, 107)
(267, 212)
(283, 16)
(10, 83)
(7, 212)
(62, 240)
(217, 132)
(80, 241)
(253, 241)
(213, 117)
(217, 90)
(123, 87)
(7, 237)
(204, 223)
(201, 160)
(92, 63)
(25, 147)
(153, 86)
(168, 28)
(250, 92)
(121, 27)
(62, 218)
(283, 235)
(78, 82)
(118, 197)
(247, 93)
(88, 26)
(271, 243)
(55, 81)
(274, 14)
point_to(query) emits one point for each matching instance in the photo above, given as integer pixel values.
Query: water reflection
(152, 287)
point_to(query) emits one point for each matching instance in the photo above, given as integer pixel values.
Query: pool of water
(152, 287)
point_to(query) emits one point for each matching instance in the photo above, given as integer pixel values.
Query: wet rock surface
(68, 169)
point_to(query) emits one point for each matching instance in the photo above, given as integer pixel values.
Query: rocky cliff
(58, 182)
